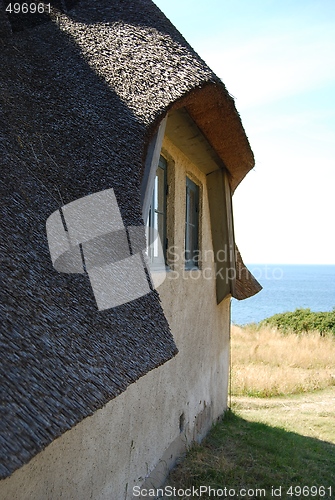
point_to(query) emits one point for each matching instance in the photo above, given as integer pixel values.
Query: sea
(286, 288)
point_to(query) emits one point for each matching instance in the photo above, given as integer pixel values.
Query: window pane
(191, 224)
(157, 216)
(192, 214)
(161, 188)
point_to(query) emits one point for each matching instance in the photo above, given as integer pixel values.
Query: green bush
(303, 321)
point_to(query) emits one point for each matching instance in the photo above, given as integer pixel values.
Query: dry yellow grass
(267, 363)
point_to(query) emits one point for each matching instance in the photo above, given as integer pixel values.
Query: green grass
(273, 443)
(241, 452)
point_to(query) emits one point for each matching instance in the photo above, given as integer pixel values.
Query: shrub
(303, 321)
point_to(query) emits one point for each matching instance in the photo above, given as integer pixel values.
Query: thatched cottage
(107, 97)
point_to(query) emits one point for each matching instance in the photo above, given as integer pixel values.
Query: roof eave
(214, 111)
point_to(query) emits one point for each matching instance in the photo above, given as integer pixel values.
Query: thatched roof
(81, 96)
(246, 284)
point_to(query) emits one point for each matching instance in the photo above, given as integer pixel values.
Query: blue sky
(278, 60)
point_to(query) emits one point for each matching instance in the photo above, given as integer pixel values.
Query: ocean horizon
(286, 287)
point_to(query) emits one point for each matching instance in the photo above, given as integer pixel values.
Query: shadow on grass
(241, 454)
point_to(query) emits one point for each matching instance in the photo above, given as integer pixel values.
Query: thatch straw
(81, 96)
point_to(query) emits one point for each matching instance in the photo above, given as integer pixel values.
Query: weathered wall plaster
(136, 437)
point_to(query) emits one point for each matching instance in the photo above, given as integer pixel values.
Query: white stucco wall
(134, 438)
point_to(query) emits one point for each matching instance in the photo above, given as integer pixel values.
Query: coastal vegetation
(278, 435)
(268, 361)
(267, 450)
(303, 321)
